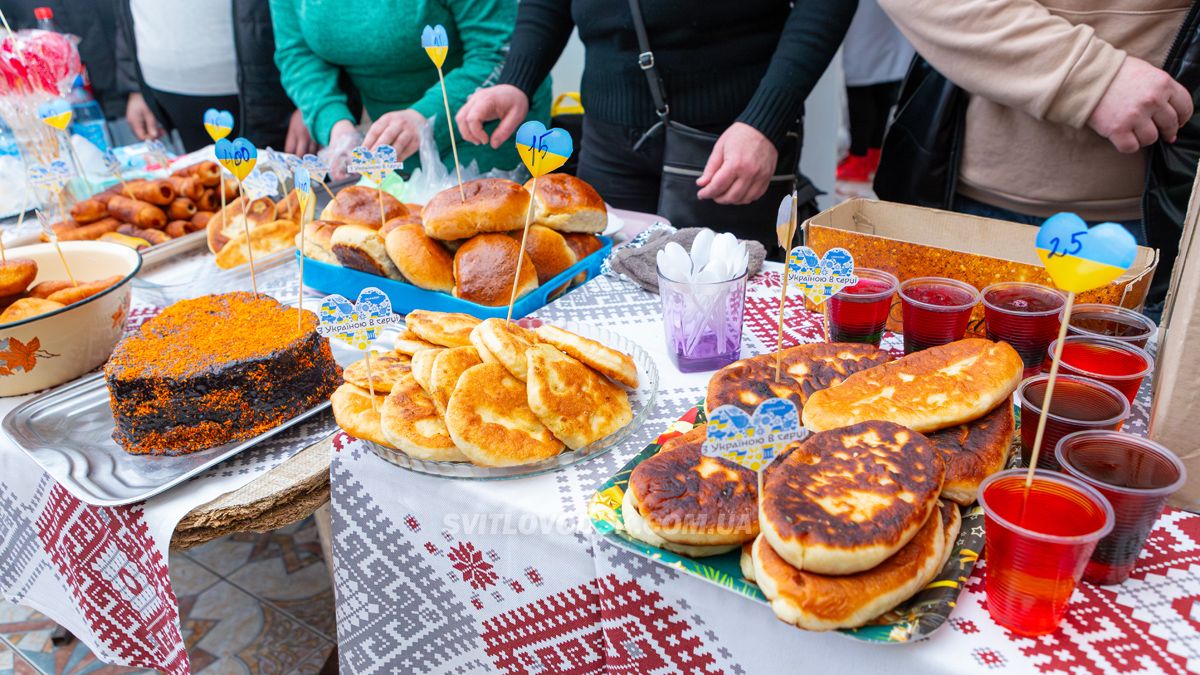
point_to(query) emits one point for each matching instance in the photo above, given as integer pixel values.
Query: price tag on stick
(820, 278)
(303, 195)
(1078, 259)
(239, 157)
(542, 150)
(52, 236)
(785, 232)
(437, 45)
(753, 441)
(375, 165)
(358, 324)
(218, 123)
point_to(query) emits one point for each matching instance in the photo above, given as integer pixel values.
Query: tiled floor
(251, 603)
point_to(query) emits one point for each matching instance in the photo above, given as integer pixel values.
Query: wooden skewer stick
(303, 199)
(512, 296)
(462, 193)
(1045, 407)
(249, 243)
(380, 193)
(791, 234)
(371, 382)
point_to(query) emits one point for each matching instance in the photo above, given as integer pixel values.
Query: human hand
(140, 118)
(400, 129)
(1141, 104)
(503, 102)
(740, 166)
(343, 138)
(298, 142)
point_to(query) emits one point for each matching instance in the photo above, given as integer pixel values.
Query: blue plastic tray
(406, 297)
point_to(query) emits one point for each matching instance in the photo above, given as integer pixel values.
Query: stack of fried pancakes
(492, 393)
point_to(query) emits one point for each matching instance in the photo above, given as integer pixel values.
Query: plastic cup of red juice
(1110, 321)
(859, 313)
(1136, 475)
(1078, 404)
(936, 311)
(1026, 316)
(1038, 541)
(1119, 364)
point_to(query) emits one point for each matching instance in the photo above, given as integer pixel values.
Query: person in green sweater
(321, 46)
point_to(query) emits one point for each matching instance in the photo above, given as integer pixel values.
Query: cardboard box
(911, 241)
(1175, 414)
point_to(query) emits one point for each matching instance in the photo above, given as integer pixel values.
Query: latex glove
(400, 129)
(141, 119)
(342, 139)
(740, 167)
(503, 102)
(299, 142)
(1141, 104)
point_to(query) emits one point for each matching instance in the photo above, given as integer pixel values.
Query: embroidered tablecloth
(454, 576)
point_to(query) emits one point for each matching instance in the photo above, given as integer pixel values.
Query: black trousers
(185, 114)
(869, 109)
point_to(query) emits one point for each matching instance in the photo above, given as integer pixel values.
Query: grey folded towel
(640, 264)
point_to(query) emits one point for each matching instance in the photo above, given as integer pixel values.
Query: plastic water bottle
(88, 118)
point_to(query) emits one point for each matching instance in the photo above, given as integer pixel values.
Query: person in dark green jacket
(376, 46)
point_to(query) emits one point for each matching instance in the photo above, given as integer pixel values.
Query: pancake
(353, 412)
(636, 527)
(490, 421)
(807, 368)
(932, 389)
(441, 328)
(688, 498)
(448, 365)
(974, 451)
(422, 367)
(842, 501)
(407, 342)
(577, 404)
(505, 343)
(820, 602)
(617, 365)
(385, 370)
(411, 424)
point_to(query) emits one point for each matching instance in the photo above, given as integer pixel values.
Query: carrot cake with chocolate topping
(216, 369)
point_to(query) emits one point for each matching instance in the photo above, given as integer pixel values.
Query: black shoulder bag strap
(658, 93)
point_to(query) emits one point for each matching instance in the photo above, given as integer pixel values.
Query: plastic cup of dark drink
(1109, 321)
(1026, 316)
(1077, 404)
(1121, 365)
(1038, 541)
(1136, 475)
(936, 311)
(859, 313)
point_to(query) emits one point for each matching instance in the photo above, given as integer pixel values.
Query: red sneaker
(873, 160)
(854, 169)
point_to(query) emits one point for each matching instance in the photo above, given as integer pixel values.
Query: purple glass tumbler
(703, 322)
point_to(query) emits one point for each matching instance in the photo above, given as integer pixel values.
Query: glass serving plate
(641, 402)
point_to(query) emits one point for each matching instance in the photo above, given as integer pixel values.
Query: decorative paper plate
(915, 619)
(641, 402)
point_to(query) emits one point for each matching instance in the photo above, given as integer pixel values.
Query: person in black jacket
(178, 58)
(739, 69)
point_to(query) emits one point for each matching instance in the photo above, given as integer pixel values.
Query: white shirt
(186, 46)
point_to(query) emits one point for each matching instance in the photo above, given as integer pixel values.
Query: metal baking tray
(164, 252)
(68, 432)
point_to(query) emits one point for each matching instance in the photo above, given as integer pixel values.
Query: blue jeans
(975, 208)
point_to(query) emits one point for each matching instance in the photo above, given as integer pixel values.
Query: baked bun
(548, 250)
(16, 274)
(577, 404)
(361, 248)
(422, 366)
(315, 244)
(842, 501)
(807, 368)
(608, 361)
(685, 497)
(385, 370)
(355, 414)
(410, 219)
(974, 451)
(412, 425)
(448, 329)
(226, 225)
(448, 366)
(492, 205)
(506, 343)
(265, 239)
(359, 205)
(421, 259)
(484, 267)
(567, 204)
(289, 208)
(490, 420)
(24, 308)
(820, 602)
(932, 389)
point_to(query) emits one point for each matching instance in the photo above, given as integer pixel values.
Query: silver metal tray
(166, 251)
(68, 432)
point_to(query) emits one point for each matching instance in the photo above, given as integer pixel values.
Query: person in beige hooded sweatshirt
(1065, 94)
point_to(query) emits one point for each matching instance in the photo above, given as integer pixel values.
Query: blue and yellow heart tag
(543, 150)
(820, 278)
(56, 113)
(261, 184)
(218, 123)
(1080, 259)
(753, 441)
(238, 156)
(52, 176)
(303, 182)
(357, 324)
(375, 164)
(435, 43)
(317, 168)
